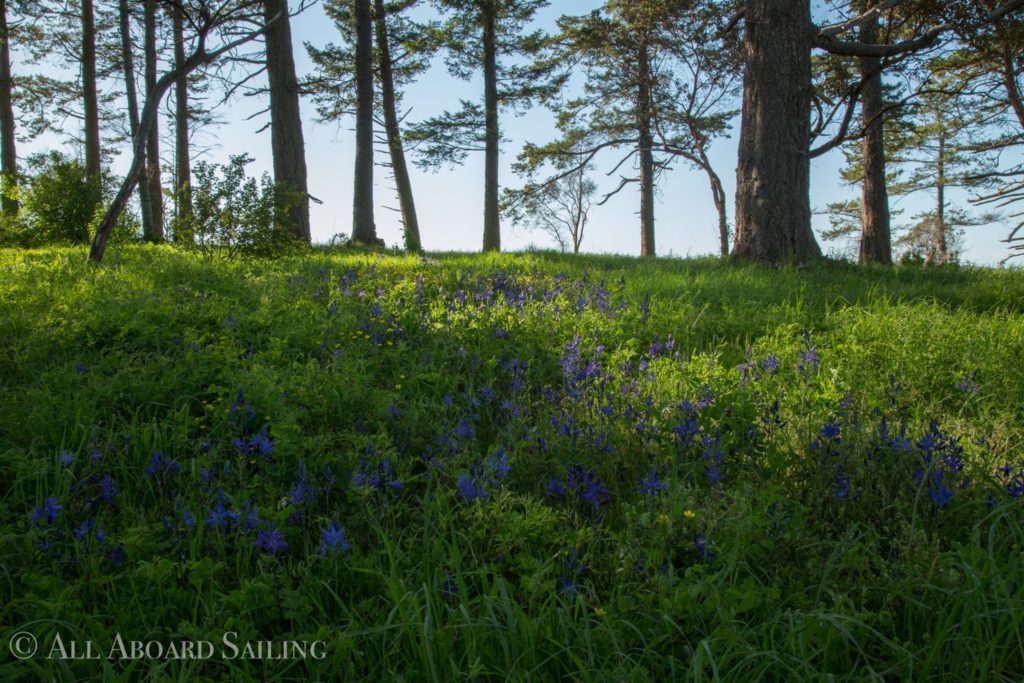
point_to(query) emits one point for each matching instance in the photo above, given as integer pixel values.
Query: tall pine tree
(486, 37)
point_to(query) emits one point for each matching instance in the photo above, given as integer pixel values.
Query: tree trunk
(1013, 94)
(183, 230)
(773, 206)
(717, 190)
(128, 64)
(645, 144)
(578, 218)
(718, 195)
(289, 149)
(876, 239)
(147, 121)
(156, 195)
(8, 151)
(492, 134)
(90, 98)
(941, 247)
(363, 228)
(398, 165)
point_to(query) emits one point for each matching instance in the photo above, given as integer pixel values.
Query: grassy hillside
(515, 467)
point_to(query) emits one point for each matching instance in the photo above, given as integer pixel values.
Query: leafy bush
(61, 204)
(236, 216)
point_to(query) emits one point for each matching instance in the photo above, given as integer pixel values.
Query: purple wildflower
(271, 541)
(470, 488)
(108, 489)
(332, 540)
(652, 484)
(701, 544)
(220, 517)
(808, 355)
(464, 430)
(48, 511)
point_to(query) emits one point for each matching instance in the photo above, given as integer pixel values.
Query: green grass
(828, 549)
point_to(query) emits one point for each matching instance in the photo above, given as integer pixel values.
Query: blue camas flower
(220, 517)
(47, 512)
(701, 544)
(271, 541)
(159, 466)
(333, 541)
(652, 484)
(471, 488)
(808, 354)
(108, 489)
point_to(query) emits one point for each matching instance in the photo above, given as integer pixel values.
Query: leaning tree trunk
(128, 64)
(645, 145)
(147, 121)
(718, 195)
(492, 133)
(183, 229)
(717, 189)
(363, 228)
(289, 149)
(876, 237)
(394, 135)
(8, 151)
(773, 206)
(90, 98)
(153, 144)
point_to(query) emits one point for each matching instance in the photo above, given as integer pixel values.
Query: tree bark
(90, 98)
(876, 236)
(941, 247)
(183, 230)
(147, 121)
(1013, 94)
(287, 143)
(718, 195)
(156, 195)
(645, 145)
(8, 150)
(773, 207)
(492, 133)
(717, 190)
(394, 135)
(128, 64)
(578, 217)
(363, 228)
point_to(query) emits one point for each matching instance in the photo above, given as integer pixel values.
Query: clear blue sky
(450, 203)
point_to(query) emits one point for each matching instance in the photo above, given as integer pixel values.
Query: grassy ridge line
(799, 582)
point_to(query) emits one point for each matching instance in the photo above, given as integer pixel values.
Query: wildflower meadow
(359, 466)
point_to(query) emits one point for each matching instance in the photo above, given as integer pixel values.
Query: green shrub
(60, 204)
(236, 216)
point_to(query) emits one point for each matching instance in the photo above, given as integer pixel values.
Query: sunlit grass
(547, 466)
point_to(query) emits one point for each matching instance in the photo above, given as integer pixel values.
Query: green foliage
(60, 204)
(234, 216)
(560, 209)
(361, 389)
(526, 74)
(661, 68)
(412, 43)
